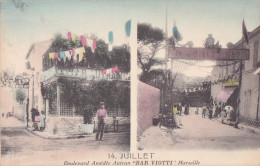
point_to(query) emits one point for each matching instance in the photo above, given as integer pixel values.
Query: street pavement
(17, 144)
(199, 133)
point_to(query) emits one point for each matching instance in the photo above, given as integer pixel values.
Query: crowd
(218, 110)
(209, 110)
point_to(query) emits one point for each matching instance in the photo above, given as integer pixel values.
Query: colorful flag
(68, 55)
(74, 38)
(244, 30)
(83, 40)
(62, 56)
(115, 69)
(94, 45)
(128, 28)
(51, 55)
(69, 35)
(110, 37)
(81, 51)
(56, 55)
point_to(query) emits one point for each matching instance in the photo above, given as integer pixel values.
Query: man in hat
(101, 115)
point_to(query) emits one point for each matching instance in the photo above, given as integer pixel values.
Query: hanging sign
(208, 54)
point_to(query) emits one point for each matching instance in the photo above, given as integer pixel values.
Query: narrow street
(199, 133)
(18, 144)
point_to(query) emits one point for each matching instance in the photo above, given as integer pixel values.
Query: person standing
(204, 110)
(229, 110)
(101, 115)
(210, 111)
(176, 116)
(42, 122)
(179, 107)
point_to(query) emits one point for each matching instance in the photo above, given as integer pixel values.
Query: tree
(101, 58)
(20, 96)
(150, 41)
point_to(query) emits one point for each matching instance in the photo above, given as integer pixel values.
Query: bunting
(74, 38)
(69, 35)
(51, 55)
(83, 40)
(110, 71)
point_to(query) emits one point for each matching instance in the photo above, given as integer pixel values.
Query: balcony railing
(83, 73)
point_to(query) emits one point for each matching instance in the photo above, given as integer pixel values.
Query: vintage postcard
(132, 83)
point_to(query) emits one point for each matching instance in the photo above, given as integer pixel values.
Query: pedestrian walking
(101, 116)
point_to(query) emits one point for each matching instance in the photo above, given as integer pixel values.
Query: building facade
(226, 78)
(61, 117)
(250, 84)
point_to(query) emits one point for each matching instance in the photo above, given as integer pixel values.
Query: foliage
(113, 93)
(150, 41)
(20, 96)
(49, 92)
(102, 58)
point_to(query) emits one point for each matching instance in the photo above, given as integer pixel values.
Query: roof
(250, 34)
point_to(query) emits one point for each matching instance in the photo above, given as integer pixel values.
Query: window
(255, 57)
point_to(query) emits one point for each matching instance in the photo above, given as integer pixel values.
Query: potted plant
(88, 114)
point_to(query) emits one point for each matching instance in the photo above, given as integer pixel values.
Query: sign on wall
(88, 74)
(208, 54)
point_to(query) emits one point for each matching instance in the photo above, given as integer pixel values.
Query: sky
(26, 22)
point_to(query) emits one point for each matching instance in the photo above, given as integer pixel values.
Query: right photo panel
(198, 76)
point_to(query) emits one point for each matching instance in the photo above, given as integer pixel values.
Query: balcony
(82, 73)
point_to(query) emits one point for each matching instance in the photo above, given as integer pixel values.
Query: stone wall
(64, 125)
(72, 125)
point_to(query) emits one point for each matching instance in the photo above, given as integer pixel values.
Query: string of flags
(77, 53)
(110, 71)
(70, 54)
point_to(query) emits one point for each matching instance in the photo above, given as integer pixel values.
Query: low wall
(148, 106)
(72, 125)
(63, 125)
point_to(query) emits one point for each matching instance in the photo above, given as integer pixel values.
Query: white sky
(41, 20)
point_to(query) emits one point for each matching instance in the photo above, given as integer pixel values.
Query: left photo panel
(65, 81)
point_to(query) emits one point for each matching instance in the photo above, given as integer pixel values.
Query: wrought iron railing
(249, 122)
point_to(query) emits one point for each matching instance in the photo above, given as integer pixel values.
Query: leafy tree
(102, 58)
(20, 96)
(150, 41)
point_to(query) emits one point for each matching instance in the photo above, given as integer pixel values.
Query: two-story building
(225, 81)
(61, 117)
(250, 84)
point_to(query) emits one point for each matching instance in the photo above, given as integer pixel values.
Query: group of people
(38, 119)
(216, 110)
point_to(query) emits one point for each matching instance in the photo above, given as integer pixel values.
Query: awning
(225, 93)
